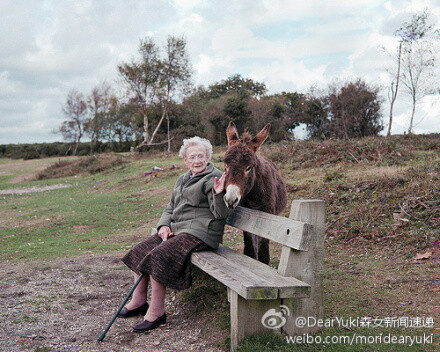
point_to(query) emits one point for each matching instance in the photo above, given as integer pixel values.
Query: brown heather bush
(83, 165)
(372, 209)
(379, 150)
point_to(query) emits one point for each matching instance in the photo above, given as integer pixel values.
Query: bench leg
(246, 316)
(307, 266)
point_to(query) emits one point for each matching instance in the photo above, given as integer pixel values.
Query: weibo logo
(275, 320)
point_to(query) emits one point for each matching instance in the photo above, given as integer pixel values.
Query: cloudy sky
(49, 47)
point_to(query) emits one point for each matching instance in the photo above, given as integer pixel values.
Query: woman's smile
(196, 159)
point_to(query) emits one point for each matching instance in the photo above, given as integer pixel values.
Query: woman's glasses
(200, 157)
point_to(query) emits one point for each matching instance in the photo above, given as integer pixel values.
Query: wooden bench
(294, 290)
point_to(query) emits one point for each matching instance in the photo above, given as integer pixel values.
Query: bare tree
(419, 57)
(75, 110)
(394, 88)
(98, 102)
(175, 77)
(156, 80)
(121, 122)
(142, 78)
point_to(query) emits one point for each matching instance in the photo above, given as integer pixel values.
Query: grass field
(383, 212)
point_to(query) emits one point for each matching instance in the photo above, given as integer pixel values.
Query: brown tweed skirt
(167, 262)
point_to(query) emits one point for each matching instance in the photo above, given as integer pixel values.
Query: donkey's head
(240, 162)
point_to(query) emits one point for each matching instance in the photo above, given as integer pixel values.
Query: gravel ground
(65, 305)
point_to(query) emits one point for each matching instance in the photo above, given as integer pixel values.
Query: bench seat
(248, 277)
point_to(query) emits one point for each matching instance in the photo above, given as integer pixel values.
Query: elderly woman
(193, 221)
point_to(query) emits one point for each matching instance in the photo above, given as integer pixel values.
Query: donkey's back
(269, 193)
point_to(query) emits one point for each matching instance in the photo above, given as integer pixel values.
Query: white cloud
(428, 119)
(49, 47)
(231, 38)
(207, 64)
(186, 5)
(408, 5)
(7, 87)
(288, 76)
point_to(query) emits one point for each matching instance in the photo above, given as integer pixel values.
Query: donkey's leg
(262, 249)
(249, 248)
(256, 247)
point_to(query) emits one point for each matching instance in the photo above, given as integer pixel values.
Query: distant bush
(84, 165)
(37, 150)
(31, 154)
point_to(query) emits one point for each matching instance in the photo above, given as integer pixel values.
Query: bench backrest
(302, 237)
(288, 232)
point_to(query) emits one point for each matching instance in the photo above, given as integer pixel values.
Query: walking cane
(120, 308)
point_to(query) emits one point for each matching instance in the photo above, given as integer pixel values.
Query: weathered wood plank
(288, 286)
(292, 233)
(246, 316)
(248, 277)
(231, 275)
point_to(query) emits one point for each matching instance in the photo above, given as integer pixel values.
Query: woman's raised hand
(219, 184)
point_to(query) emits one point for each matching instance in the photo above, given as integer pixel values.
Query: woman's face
(196, 159)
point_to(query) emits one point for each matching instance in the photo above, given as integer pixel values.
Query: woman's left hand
(165, 232)
(219, 184)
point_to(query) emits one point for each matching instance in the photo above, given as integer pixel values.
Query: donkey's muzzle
(232, 196)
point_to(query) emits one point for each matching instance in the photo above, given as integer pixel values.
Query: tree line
(160, 106)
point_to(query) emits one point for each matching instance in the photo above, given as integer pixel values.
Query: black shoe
(146, 325)
(126, 313)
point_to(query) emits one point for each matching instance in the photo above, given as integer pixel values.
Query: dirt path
(65, 305)
(32, 189)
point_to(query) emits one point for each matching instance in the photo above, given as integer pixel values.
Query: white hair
(193, 142)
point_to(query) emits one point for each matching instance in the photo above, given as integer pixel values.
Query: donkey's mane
(239, 153)
(246, 138)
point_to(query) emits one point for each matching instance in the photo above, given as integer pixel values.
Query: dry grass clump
(379, 150)
(404, 208)
(85, 165)
(395, 200)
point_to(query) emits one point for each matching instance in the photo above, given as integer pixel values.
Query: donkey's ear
(232, 134)
(260, 138)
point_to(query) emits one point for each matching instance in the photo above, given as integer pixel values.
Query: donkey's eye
(248, 169)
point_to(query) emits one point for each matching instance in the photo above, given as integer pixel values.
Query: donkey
(254, 182)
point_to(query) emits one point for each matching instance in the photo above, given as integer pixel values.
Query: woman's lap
(167, 262)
